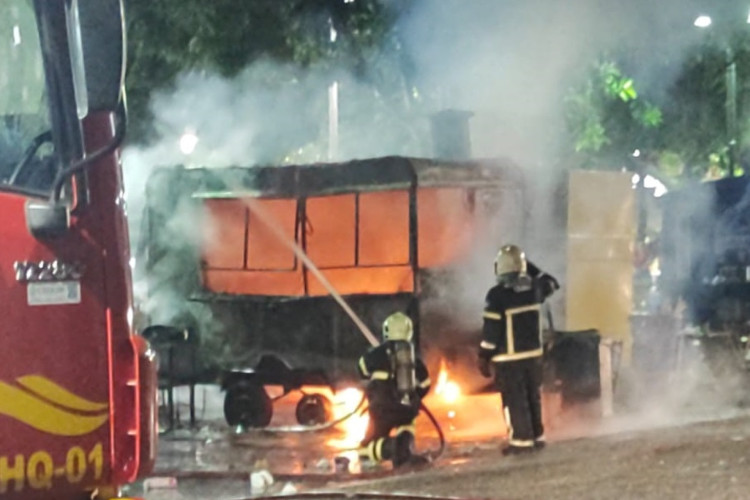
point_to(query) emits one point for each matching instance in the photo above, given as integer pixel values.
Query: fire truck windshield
(26, 154)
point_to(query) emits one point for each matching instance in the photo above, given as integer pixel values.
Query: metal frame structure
(300, 183)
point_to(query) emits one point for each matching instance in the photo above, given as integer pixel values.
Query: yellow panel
(601, 231)
(601, 203)
(605, 248)
(600, 296)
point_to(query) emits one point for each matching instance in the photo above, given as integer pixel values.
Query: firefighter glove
(549, 284)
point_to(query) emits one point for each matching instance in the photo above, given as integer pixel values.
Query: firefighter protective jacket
(512, 318)
(377, 366)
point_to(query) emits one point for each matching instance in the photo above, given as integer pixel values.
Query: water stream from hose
(269, 221)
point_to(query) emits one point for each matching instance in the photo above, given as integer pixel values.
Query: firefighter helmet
(510, 261)
(398, 326)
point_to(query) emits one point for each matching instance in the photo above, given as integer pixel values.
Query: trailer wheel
(246, 404)
(313, 409)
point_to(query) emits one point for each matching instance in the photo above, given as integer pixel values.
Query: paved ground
(703, 461)
(707, 460)
(668, 447)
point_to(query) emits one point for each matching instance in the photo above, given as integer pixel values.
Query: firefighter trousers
(519, 383)
(378, 445)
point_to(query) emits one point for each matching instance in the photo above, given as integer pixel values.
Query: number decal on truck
(53, 293)
(38, 471)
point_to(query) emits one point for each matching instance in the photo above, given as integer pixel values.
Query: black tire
(313, 409)
(246, 404)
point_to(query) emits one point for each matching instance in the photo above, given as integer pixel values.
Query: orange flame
(354, 427)
(448, 390)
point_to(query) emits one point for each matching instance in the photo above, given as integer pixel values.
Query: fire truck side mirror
(103, 46)
(96, 36)
(46, 219)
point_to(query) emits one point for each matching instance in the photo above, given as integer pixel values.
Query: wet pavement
(707, 460)
(675, 450)
(292, 449)
(214, 461)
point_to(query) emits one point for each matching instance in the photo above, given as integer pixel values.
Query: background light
(188, 142)
(702, 21)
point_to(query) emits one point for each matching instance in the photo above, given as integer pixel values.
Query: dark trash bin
(572, 365)
(178, 365)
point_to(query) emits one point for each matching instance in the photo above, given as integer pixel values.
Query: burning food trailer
(387, 234)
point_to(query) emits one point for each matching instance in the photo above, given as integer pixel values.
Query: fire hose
(434, 454)
(268, 220)
(318, 427)
(431, 455)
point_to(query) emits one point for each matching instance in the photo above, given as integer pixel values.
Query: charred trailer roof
(368, 224)
(378, 174)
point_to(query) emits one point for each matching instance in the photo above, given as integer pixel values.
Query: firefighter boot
(403, 444)
(402, 448)
(540, 443)
(517, 447)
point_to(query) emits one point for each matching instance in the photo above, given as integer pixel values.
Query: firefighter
(512, 345)
(398, 380)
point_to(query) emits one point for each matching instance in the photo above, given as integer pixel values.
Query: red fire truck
(77, 393)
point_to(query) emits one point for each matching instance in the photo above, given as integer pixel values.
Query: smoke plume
(510, 63)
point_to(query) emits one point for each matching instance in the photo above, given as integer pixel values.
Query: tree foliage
(169, 37)
(607, 119)
(696, 110)
(686, 135)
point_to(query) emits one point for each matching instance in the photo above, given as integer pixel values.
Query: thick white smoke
(510, 63)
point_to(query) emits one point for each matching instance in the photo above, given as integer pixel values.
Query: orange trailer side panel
(288, 283)
(445, 226)
(364, 280)
(384, 228)
(264, 249)
(224, 233)
(361, 246)
(330, 230)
